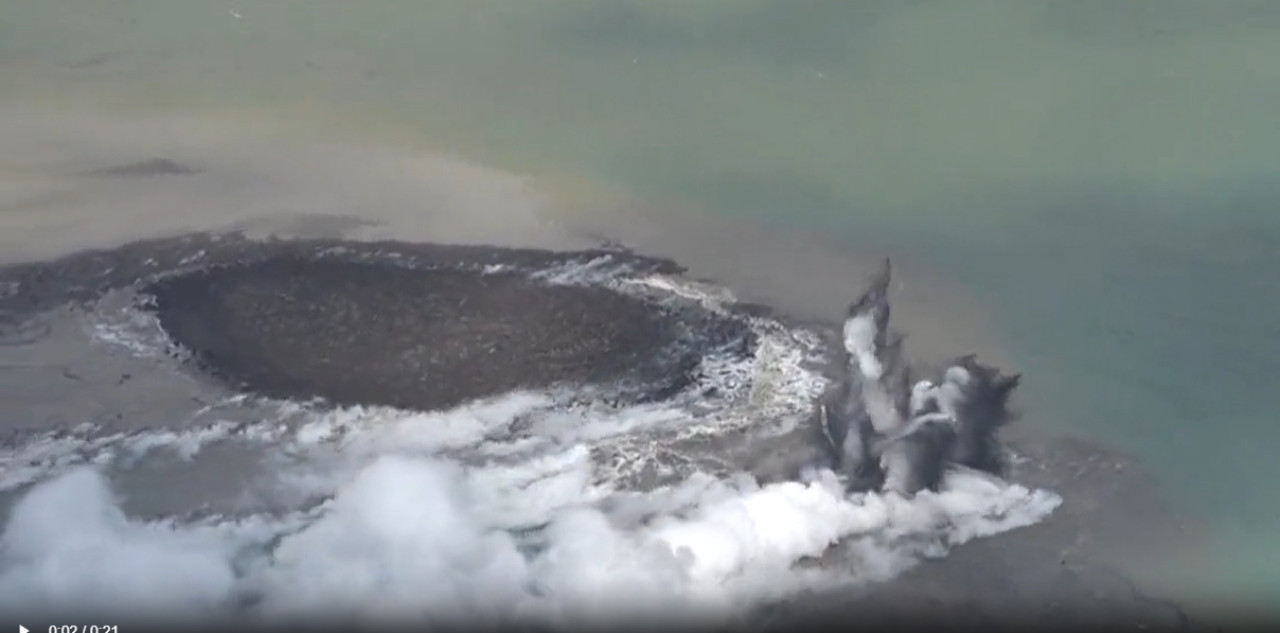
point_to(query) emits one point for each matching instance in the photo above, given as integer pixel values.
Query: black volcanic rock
(359, 333)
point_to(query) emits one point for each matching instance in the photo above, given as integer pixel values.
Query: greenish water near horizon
(1103, 172)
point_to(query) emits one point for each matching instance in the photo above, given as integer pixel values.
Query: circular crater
(369, 332)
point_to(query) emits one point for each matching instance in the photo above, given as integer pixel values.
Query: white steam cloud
(510, 510)
(69, 546)
(408, 535)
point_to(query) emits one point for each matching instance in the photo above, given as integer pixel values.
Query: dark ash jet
(890, 433)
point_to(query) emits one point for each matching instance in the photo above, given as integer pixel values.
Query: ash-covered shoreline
(1019, 575)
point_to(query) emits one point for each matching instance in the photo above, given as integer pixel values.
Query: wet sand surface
(108, 191)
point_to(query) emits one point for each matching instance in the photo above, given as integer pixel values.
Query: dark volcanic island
(429, 327)
(430, 339)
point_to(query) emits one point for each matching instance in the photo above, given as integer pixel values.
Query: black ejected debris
(360, 332)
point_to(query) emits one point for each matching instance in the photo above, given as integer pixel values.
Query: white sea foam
(118, 321)
(495, 511)
(407, 533)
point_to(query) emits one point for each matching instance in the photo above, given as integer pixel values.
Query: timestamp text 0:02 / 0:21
(93, 628)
